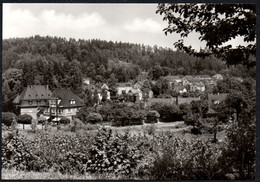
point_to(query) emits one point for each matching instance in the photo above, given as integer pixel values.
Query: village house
(173, 80)
(180, 89)
(198, 86)
(203, 77)
(63, 103)
(188, 80)
(33, 97)
(123, 88)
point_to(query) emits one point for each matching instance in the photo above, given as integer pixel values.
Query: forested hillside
(59, 62)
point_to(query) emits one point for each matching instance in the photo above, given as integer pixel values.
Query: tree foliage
(217, 24)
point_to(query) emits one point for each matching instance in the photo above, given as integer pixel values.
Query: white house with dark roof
(33, 97)
(61, 102)
(123, 88)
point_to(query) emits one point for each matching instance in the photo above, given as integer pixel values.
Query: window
(38, 102)
(69, 110)
(72, 102)
(30, 102)
(60, 111)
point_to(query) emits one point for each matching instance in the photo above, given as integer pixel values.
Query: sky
(133, 23)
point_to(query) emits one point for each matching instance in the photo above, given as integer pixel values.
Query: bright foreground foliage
(111, 155)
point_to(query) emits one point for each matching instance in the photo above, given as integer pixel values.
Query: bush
(94, 118)
(8, 118)
(152, 117)
(25, 119)
(168, 111)
(64, 120)
(124, 115)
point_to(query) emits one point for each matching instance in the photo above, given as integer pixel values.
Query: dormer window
(30, 102)
(72, 101)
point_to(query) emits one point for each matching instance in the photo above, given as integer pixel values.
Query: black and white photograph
(128, 91)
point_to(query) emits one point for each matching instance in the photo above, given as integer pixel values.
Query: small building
(198, 86)
(33, 97)
(104, 87)
(173, 80)
(180, 89)
(63, 103)
(123, 88)
(217, 77)
(188, 80)
(203, 77)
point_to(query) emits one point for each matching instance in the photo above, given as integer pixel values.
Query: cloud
(22, 23)
(140, 25)
(17, 22)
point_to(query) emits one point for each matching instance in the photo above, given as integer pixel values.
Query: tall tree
(217, 24)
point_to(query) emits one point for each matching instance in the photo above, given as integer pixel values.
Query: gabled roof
(124, 85)
(204, 76)
(104, 86)
(34, 92)
(219, 97)
(172, 78)
(66, 96)
(191, 78)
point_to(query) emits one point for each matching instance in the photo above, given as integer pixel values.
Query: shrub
(123, 115)
(168, 111)
(64, 120)
(112, 154)
(94, 118)
(152, 117)
(8, 118)
(25, 119)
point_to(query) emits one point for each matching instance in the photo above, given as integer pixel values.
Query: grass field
(12, 174)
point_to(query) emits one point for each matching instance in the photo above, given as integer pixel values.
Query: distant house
(180, 89)
(104, 87)
(198, 86)
(123, 88)
(203, 77)
(33, 97)
(188, 100)
(137, 93)
(188, 80)
(217, 77)
(216, 98)
(173, 80)
(63, 103)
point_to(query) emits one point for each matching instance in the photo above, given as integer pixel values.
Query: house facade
(57, 104)
(123, 88)
(33, 97)
(63, 103)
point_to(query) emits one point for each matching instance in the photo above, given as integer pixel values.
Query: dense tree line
(59, 62)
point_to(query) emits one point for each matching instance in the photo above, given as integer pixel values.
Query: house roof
(217, 76)
(104, 86)
(124, 85)
(66, 96)
(172, 78)
(204, 76)
(191, 78)
(219, 97)
(34, 92)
